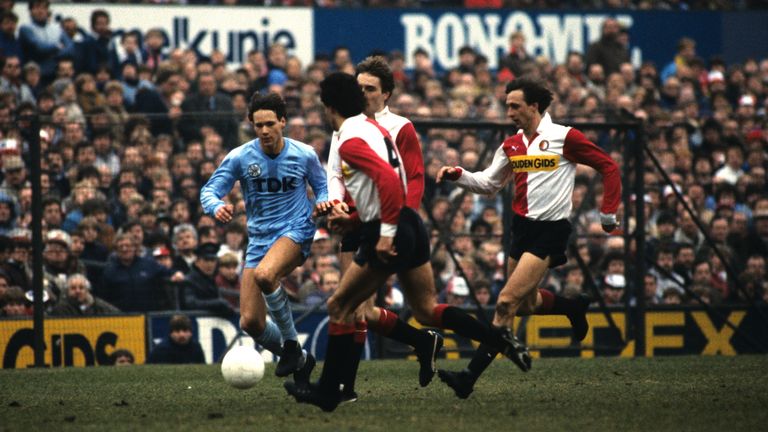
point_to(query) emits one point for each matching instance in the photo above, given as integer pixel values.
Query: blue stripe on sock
(280, 309)
(270, 339)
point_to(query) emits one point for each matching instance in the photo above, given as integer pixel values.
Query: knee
(252, 324)
(263, 279)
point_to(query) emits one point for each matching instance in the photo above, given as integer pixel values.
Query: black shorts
(351, 241)
(541, 238)
(411, 244)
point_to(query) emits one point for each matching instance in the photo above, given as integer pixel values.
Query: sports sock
(453, 318)
(277, 303)
(270, 339)
(481, 360)
(391, 326)
(385, 324)
(553, 304)
(361, 333)
(340, 341)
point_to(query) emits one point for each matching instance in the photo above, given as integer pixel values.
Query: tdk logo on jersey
(271, 184)
(534, 163)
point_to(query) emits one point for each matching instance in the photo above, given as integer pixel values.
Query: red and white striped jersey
(372, 171)
(544, 171)
(407, 141)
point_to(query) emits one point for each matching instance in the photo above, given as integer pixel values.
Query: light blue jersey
(275, 193)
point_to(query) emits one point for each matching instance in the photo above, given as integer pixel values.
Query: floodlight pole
(37, 241)
(639, 276)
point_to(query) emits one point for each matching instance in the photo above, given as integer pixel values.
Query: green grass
(662, 393)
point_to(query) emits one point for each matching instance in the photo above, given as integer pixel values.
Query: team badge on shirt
(543, 145)
(254, 170)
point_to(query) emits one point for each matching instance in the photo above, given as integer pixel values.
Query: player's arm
(218, 186)
(317, 180)
(579, 149)
(336, 188)
(413, 161)
(357, 153)
(488, 181)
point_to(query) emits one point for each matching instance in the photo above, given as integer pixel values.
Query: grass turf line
(662, 393)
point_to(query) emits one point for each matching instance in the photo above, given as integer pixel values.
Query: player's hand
(385, 248)
(322, 208)
(340, 221)
(448, 173)
(224, 213)
(177, 277)
(609, 222)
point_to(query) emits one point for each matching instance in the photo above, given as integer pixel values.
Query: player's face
(269, 129)
(518, 110)
(374, 98)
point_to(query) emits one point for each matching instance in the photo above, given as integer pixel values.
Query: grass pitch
(662, 393)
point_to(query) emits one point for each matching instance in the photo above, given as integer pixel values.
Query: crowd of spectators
(131, 133)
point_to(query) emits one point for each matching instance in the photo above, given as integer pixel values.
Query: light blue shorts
(259, 246)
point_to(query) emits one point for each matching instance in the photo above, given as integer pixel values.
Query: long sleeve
(410, 150)
(316, 178)
(336, 188)
(580, 150)
(491, 179)
(220, 183)
(359, 155)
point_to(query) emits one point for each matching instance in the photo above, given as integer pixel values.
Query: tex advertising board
(73, 341)
(678, 331)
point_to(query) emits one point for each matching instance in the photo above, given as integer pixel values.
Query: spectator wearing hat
(14, 175)
(58, 263)
(134, 283)
(613, 289)
(228, 278)
(179, 347)
(456, 291)
(163, 255)
(79, 301)
(200, 289)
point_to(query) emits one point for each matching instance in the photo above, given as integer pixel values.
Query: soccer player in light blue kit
(273, 172)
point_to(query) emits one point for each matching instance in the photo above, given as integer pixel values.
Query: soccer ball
(242, 367)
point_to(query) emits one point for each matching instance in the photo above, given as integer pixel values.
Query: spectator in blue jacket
(134, 283)
(43, 41)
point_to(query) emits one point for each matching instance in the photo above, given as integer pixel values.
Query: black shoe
(291, 360)
(461, 382)
(427, 356)
(578, 318)
(348, 396)
(515, 350)
(302, 376)
(311, 394)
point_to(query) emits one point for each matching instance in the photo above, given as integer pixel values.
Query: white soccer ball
(242, 367)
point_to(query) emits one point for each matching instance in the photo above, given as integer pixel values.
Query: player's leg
(357, 284)
(253, 315)
(549, 303)
(284, 255)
